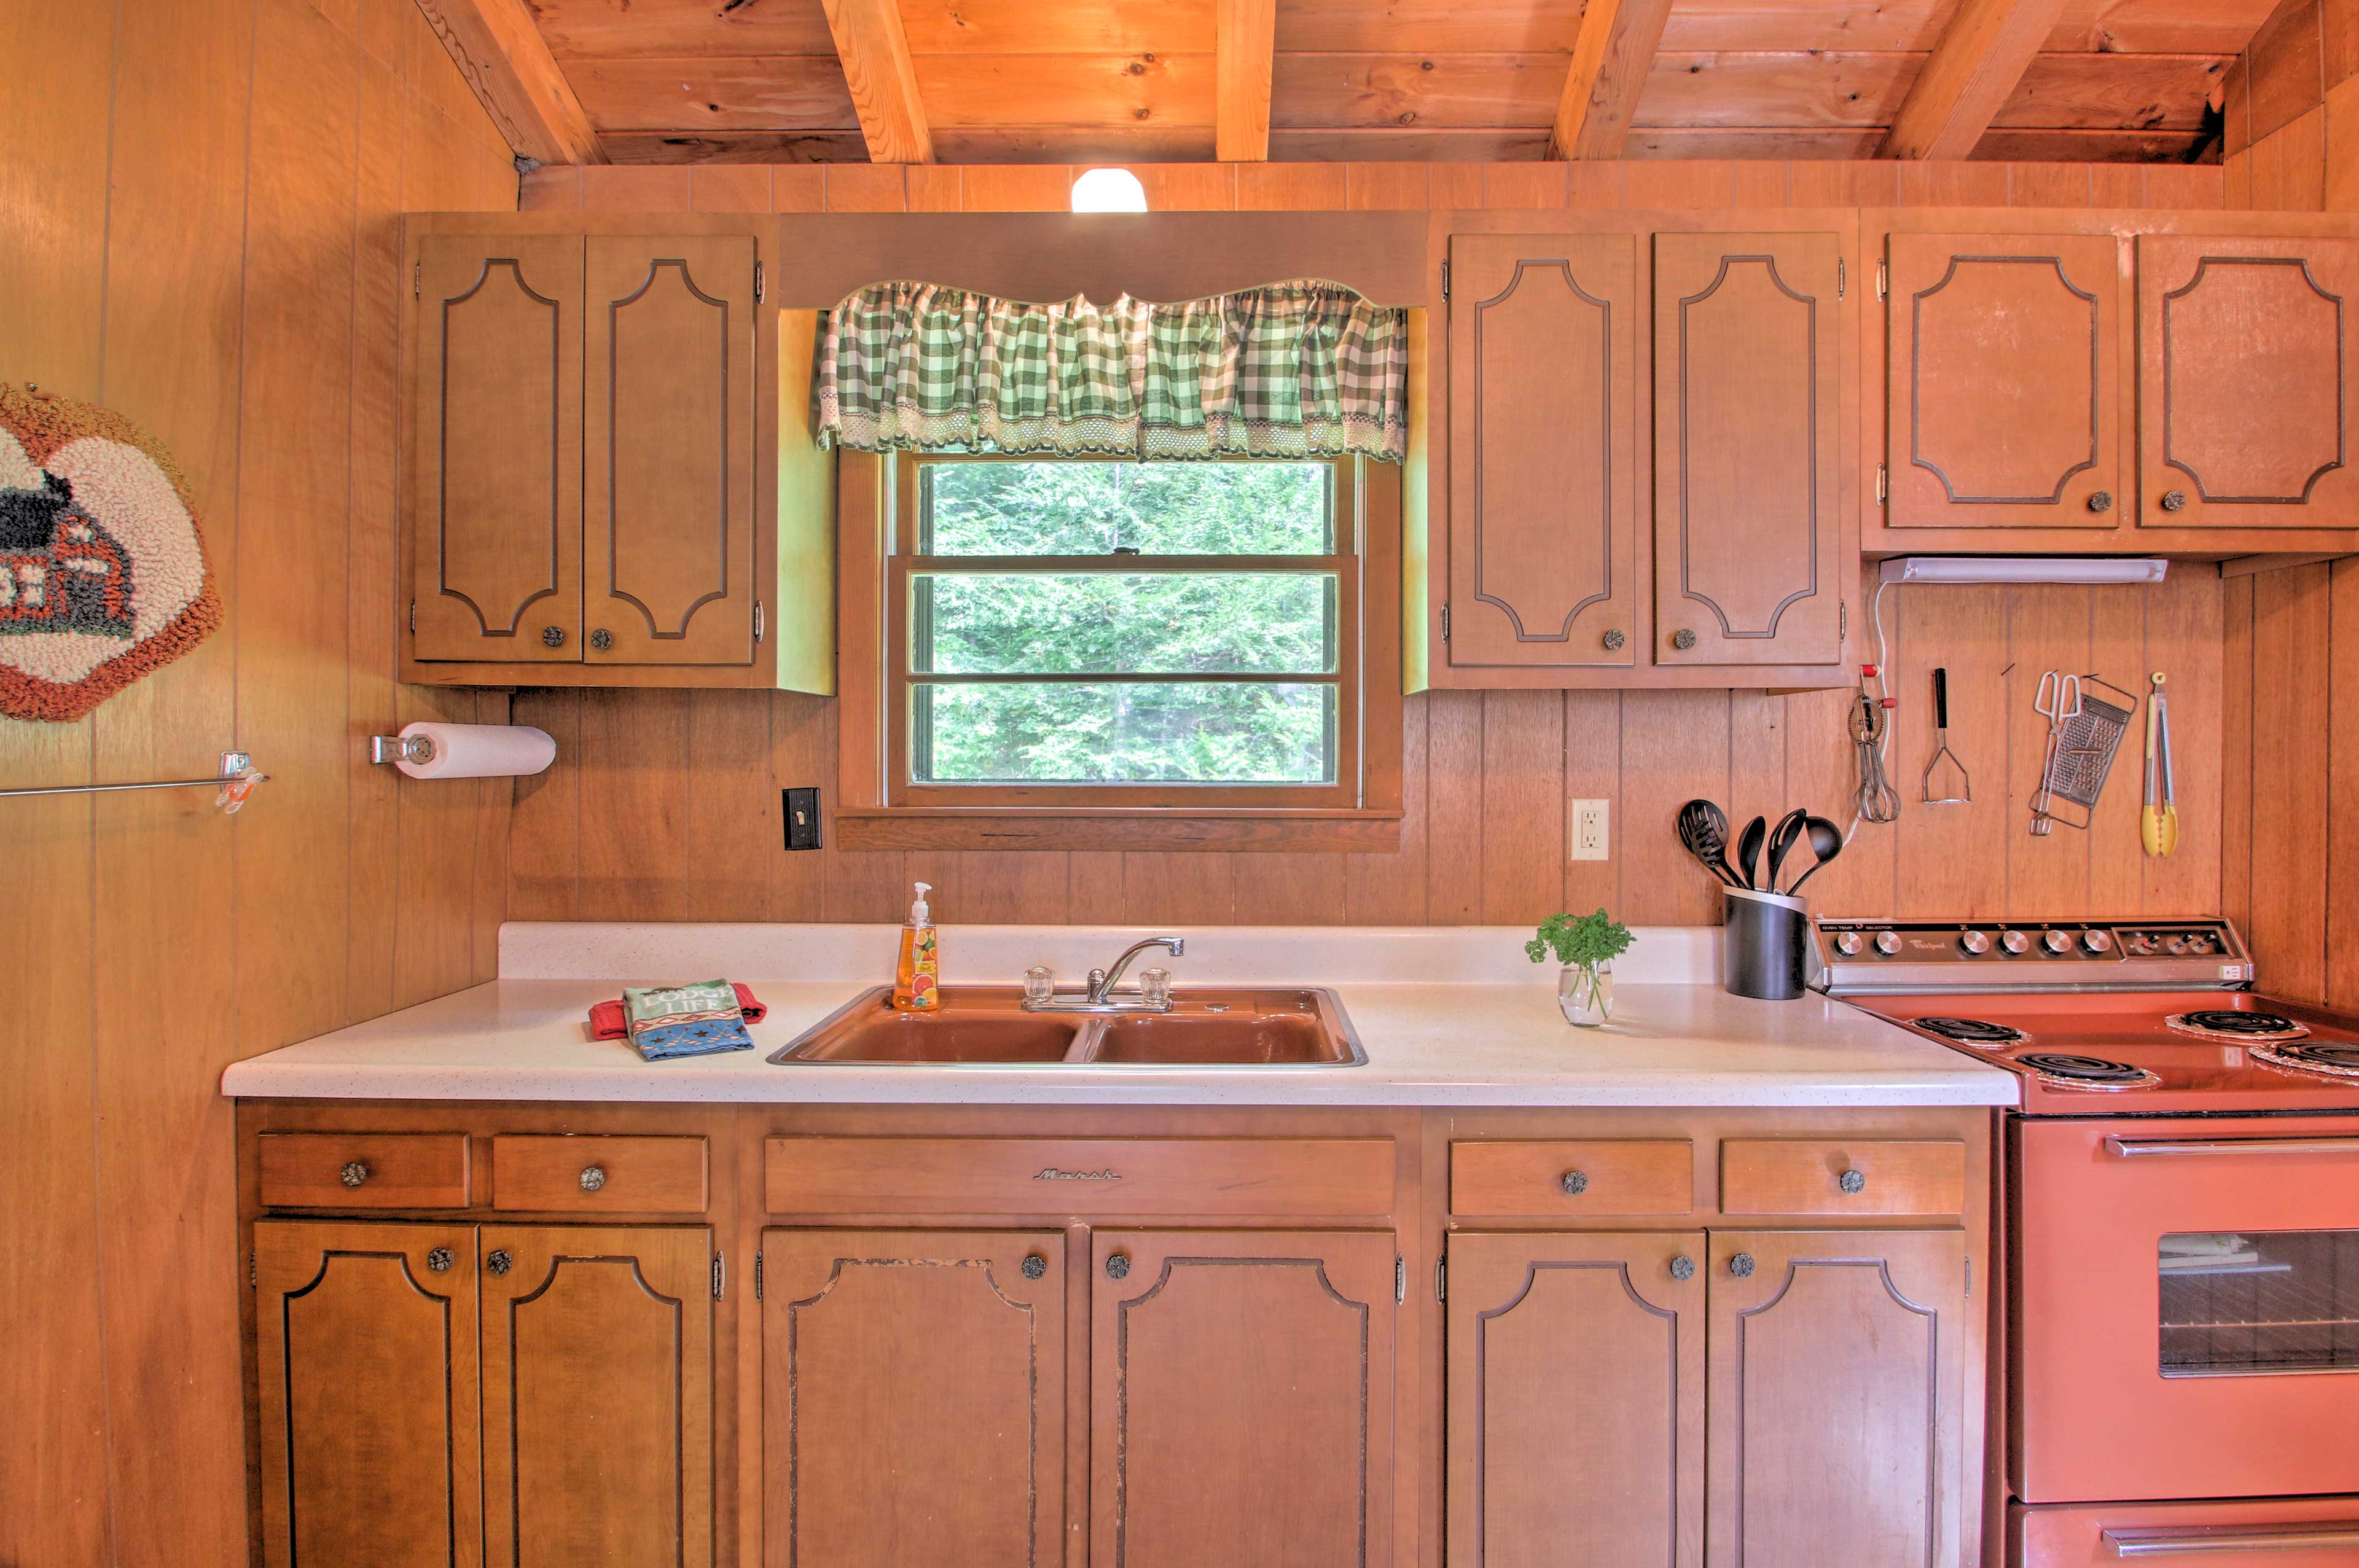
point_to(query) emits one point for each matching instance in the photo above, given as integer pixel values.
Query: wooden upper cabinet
(914, 1398)
(2245, 352)
(597, 1410)
(1241, 1402)
(1748, 493)
(1576, 1425)
(2003, 403)
(495, 493)
(668, 448)
(1837, 1388)
(1543, 420)
(366, 1345)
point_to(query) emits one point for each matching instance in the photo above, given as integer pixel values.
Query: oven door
(2186, 1308)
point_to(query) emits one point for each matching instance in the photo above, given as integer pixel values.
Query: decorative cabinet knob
(1118, 1267)
(1853, 1181)
(499, 1262)
(1614, 640)
(439, 1259)
(592, 1178)
(1741, 1265)
(354, 1174)
(602, 639)
(1035, 1266)
(1683, 639)
(2174, 500)
(552, 636)
(1683, 1268)
(2102, 501)
(1574, 1183)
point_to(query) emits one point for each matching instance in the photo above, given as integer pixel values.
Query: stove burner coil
(2069, 1072)
(1973, 1030)
(2227, 1023)
(2333, 1061)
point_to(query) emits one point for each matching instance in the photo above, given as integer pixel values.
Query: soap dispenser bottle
(917, 986)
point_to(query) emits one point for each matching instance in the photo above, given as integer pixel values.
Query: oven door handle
(2232, 1538)
(2142, 1148)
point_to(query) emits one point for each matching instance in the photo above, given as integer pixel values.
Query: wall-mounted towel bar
(235, 782)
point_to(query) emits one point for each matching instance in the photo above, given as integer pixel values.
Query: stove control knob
(1977, 943)
(1887, 943)
(1849, 944)
(2200, 945)
(2057, 942)
(2176, 945)
(2015, 941)
(2097, 941)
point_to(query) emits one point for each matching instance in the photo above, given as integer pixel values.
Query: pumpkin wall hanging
(103, 573)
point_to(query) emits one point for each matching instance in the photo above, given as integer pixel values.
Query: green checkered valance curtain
(1294, 369)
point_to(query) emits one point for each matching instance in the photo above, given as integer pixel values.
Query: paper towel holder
(416, 749)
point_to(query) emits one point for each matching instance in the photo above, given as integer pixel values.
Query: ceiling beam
(1611, 57)
(1982, 56)
(498, 49)
(1244, 34)
(875, 56)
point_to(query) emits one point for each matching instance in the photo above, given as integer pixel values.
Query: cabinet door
(914, 1398)
(669, 451)
(1837, 1389)
(1543, 415)
(2244, 383)
(2004, 395)
(496, 500)
(597, 1396)
(364, 1337)
(1576, 1425)
(1747, 449)
(1240, 1398)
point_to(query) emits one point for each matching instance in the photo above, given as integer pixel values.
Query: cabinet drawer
(1289, 1177)
(363, 1170)
(1782, 1176)
(599, 1175)
(1553, 1179)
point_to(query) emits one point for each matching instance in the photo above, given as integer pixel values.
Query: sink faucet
(1102, 981)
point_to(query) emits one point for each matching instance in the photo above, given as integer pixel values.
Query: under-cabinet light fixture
(1109, 191)
(2023, 568)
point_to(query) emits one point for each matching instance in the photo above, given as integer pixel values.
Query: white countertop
(1479, 1026)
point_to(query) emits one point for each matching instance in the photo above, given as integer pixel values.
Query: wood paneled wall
(664, 806)
(197, 227)
(2291, 135)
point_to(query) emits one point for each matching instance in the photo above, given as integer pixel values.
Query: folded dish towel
(695, 1019)
(609, 1022)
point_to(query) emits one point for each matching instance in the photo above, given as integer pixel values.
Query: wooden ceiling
(1135, 81)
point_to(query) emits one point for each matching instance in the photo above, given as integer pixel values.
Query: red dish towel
(606, 1022)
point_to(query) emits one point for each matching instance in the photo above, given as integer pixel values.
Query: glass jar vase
(1585, 993)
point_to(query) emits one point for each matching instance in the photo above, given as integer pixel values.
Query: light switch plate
(801, 811)
(1588, 831)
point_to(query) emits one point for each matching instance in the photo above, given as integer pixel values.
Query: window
(1083, 630)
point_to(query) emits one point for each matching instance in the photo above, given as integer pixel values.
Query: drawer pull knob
(1614, 640)
(1683, 639)
(439, 1259)
(1741, 1265)
(499, 1262)
(1683, 1268)
(1118, 1267)
(2102, 501)
(592, 1178)
(552, 636)
(602, 639)
(1035, 1266)
(354, 1174)
(2174, 500)
(1574, 1183)
(1853, 1181)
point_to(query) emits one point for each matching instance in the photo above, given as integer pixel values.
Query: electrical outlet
(1588, 831)
(802, 818)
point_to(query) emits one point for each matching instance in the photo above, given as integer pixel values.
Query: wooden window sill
(1114, 827)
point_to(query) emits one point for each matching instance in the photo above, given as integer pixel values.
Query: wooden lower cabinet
(1241, 1398)
(1816, 1377)
(448, 1395)
(913, 1398)
(1576, 1399)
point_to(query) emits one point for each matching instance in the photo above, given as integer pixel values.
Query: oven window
(2239, 1302)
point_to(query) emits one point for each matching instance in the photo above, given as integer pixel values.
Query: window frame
(881, 808)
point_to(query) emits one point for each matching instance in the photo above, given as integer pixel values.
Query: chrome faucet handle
(1102, 981)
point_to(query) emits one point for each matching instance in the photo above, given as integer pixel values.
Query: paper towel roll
(480, 750)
